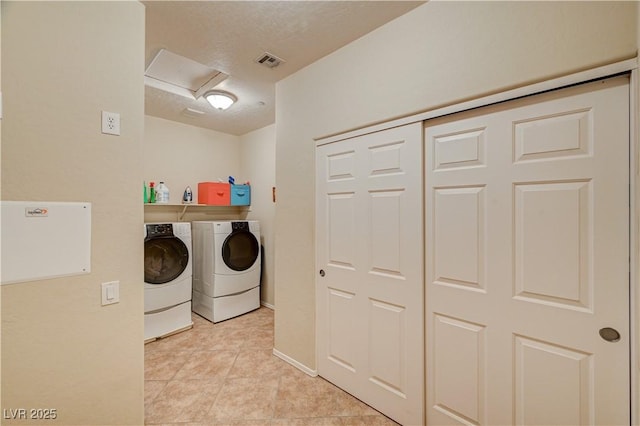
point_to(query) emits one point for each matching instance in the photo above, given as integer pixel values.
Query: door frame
(627, 66)
(634, 240)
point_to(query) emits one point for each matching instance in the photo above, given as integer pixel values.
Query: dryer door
(165, 258)
(240, 249)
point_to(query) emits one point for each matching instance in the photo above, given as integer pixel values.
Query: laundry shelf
(182, 208)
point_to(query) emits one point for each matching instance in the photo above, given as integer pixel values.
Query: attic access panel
(177, 74)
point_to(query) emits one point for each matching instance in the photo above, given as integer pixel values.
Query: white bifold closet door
(527, 260)
(369, 287)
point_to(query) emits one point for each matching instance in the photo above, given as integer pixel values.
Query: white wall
(62, 64)
(440, 53)
(259, 167)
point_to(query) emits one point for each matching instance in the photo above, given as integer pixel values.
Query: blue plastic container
(240, 195)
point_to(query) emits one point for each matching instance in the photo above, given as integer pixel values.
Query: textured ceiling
(229, 35)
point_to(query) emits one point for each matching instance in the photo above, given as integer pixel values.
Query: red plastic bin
(214, 193)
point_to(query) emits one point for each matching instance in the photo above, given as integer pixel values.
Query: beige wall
(64, 62)
(438, 54)
(184, 155)
(259, 167)
(0, 211)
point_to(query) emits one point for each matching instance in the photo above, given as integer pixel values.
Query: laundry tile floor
(226, 374)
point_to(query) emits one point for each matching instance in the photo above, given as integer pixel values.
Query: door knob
(610, 334)
(321, 272)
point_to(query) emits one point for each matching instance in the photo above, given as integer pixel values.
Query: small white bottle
(162, 193)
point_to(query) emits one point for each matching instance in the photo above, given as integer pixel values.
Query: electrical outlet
(111, 123)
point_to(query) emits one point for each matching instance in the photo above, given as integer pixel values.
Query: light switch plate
(110, 292)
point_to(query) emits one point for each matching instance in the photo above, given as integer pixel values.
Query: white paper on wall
(44, 239)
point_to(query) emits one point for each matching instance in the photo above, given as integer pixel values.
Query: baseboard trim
(296, 364)
(268, 305)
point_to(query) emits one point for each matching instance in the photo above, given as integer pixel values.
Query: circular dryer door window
(240, 250)
(165, 258)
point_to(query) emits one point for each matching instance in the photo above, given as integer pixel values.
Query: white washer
(168, 273)
(226, 270)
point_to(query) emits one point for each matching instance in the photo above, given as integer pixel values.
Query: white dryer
(226, 274)
(168, 273)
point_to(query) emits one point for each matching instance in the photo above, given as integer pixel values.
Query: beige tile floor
(226, 374)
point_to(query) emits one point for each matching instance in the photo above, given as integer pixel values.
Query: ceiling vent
(191, 112)
(269, 60)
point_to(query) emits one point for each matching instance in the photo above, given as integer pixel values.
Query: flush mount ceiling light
(220, 100)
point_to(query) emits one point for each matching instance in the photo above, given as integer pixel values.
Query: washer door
(165, 258)
(240, 250)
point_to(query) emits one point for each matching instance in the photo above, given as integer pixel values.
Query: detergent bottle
(162, 193)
